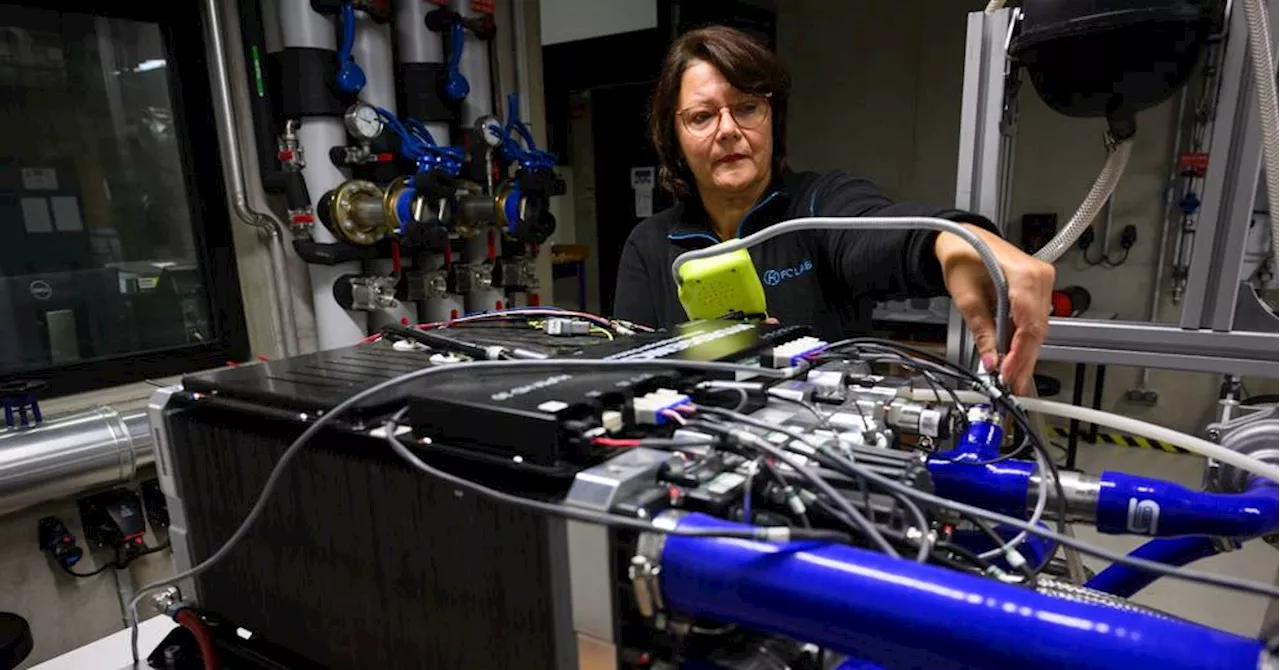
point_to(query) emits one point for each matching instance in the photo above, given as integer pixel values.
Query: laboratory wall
(877, 92)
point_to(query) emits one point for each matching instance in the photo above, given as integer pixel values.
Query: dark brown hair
(746, 63)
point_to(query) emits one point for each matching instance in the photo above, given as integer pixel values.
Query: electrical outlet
(1128, 236)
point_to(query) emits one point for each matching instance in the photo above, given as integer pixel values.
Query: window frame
(182, 33)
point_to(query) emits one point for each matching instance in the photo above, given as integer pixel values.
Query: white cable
(994, 6)
(1129, 425)
(1264, 80)
(1042, 502)
(1098, 196)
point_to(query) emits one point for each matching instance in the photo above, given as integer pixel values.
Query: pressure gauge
(363, 122)
(491, 128)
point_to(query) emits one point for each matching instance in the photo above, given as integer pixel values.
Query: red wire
(208, 652)
(615, 443)
(395, 256)
(448, 255)
(493, 252)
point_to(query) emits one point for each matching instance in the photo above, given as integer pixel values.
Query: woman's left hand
(1030, 301)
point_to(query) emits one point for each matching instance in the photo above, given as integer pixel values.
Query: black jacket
(830, 280)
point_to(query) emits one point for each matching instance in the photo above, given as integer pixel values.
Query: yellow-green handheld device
(714, 286)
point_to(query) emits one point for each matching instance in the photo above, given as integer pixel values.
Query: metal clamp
(373, 293)
(289, 148)
(518, 273)
(427, 284)
(644, 572)
(356, 212)
(469, 277)
(167, 601)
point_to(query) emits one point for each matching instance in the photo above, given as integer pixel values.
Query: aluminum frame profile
(1204, 341)
(1231, 182)
(985, 158)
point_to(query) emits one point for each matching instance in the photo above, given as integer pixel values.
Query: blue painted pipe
(1145, 506)
(1000, 487)
(906, 615)
(965, 474)
(1124, 581)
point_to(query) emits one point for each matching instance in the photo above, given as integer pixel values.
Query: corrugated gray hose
(879, 223)
(1057, 588)
(1264, 80)
(1098, 196)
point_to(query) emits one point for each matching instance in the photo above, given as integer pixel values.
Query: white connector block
(649, 408)
(565, 327)
(790, 353)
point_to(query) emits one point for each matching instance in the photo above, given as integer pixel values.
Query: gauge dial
(363, 122)
(491, 128)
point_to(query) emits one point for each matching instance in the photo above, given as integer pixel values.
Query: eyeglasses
(704, 120)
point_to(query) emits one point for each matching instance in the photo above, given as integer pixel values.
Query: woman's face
(726, 135)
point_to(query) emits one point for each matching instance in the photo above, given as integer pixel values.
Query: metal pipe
(1107, 218)
(66, 456)
(1153, 308)
(285, 330)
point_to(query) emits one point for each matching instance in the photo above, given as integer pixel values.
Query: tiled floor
(1220, 608)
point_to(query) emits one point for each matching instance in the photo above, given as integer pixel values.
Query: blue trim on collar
(691, 236)
(753, 210)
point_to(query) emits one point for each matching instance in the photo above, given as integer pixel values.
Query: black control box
(113, 519)
(532, 417)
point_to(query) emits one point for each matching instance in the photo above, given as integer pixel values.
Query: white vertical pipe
(372, 52)
(475, 66)
(416, 44)
(301, 26)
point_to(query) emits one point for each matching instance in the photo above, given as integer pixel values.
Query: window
(115, 254)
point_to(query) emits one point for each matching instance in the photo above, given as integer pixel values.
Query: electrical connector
(58, 542)
(648, 409)
(791, 353)
(565, 327)
(611, 420)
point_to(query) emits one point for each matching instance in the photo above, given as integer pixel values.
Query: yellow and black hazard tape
(1121, 440)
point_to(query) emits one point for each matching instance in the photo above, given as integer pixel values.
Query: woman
(718, 122)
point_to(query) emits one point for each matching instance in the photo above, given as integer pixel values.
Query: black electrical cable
(743, 397)
(115, 562)
(863, 524)
(1223, 581)
(593, 516)
(822, 419)
(973, 558)
(436, 340)
(986, 529)
(916, 513)
(1001, 401)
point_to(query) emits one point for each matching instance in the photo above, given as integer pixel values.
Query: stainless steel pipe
(69, 455)
(285, 328)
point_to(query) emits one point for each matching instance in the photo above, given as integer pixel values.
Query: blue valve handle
(455, 85)
(529, 157)
(350, 78)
